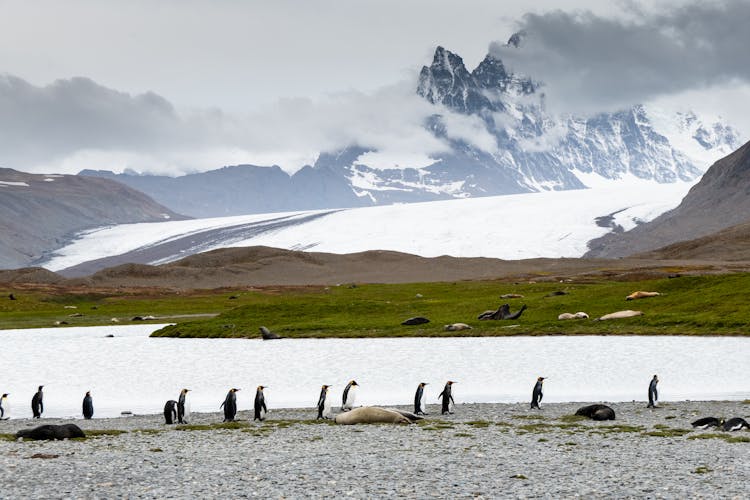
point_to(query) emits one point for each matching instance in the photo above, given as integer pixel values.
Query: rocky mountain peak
(447, 81)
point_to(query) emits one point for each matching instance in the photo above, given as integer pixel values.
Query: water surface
(132, 371)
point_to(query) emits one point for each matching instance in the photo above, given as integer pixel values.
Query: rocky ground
(483, 450)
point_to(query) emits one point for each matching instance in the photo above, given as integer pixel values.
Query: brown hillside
(721, 199)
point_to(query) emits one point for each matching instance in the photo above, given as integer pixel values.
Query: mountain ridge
(43, 212)
(531, 151)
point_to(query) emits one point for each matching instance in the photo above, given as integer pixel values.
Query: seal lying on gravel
(51, 431)
(597, 412)
(371, 415)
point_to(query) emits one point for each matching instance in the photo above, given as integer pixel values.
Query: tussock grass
(690, 305)
(478, 423)
(721, 435)
(104, 432)
(667, 432)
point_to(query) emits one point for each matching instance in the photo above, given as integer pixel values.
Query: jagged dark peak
(447, 60)
(516, 39)
(447, 81)
(491, 73)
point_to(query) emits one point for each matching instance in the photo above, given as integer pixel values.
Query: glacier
(542, 224)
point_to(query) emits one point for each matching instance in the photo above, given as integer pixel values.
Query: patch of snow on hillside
(13, 183)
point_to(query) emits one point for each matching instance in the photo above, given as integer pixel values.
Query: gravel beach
(482, 450)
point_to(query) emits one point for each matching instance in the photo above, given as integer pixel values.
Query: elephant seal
(641, 295)
(50, 431)
(596, 412)
(268, 334)
(371, 415)
(578, 315)
(502, 312)
(416, 320)
(455, 327)
(620, 314)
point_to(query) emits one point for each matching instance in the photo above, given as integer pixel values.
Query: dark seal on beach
(597, 412)
(50, 431)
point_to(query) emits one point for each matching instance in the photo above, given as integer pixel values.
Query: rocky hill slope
(42, 212)
(719, 201)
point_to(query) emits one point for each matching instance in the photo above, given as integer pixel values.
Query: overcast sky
(179, 85)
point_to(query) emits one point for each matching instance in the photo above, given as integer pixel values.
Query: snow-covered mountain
(499, 140)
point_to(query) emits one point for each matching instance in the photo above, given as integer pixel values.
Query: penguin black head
(354, 382)
(422, 384)
(4, 396)
(185, 391)
(261, 387)
(40, 387)
(540, 379)
(325, 386)
(233, 390)
(451, 382)
(88, 393)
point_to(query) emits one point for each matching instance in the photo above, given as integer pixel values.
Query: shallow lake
(131, 371)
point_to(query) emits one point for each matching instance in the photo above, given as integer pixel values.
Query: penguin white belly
(187, 411)
(422, 406)
(327, 408)
(6, 411)
(351, 398)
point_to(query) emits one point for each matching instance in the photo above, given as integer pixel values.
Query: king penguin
(419, 404)
(260, 404)
(37, 405)
(536, 393)
(447, 397)
(183, 407)
(170, 411)
(4, 407)
(88, 406)
(653, 396)
(324, 404)
(735, 424)
(349, 396)
(230, 405)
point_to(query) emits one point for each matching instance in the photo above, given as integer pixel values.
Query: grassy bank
(702, 305)
(694, 305)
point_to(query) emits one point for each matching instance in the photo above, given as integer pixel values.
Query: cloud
(593, 63)
(74, 124)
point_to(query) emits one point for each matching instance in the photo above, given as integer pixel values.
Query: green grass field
(699, 305)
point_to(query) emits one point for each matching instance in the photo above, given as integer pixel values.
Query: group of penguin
(178, 411)
(324, 406)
